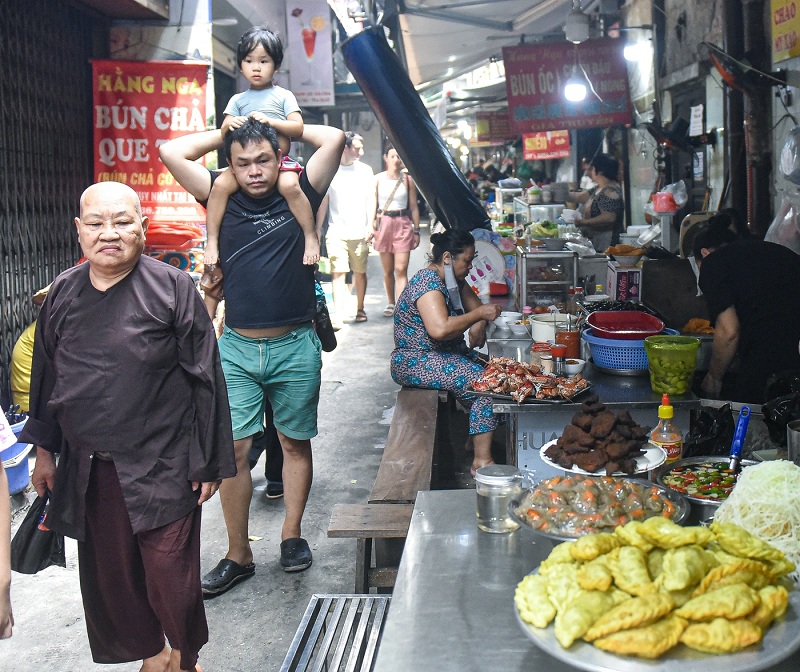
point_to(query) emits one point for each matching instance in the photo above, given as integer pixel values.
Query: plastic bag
(34, 547)
(783, 405)
(710, 432)
(790, 156)
(785, 228)
(678, 191)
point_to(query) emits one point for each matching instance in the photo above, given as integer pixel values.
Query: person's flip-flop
(361, 316)
(389, 310)
(225, 576)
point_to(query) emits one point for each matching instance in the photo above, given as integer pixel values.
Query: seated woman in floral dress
(429, 325)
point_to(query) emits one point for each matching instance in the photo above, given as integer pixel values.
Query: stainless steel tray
(681, 516)
(780, 641)
(529, 400)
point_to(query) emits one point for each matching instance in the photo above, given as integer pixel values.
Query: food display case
(526, 213)
(504, 201)
(544, 278)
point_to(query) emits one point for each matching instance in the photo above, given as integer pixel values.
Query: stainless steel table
(530, 426)
(453, 603)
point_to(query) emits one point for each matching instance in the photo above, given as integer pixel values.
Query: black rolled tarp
(398, 107)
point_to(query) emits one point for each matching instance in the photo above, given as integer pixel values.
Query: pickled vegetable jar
(671, 361)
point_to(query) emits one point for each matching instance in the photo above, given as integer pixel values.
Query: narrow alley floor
(252, 625)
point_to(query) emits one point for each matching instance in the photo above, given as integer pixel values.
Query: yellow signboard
(785, 22)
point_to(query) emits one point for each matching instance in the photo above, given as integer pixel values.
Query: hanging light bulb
(576, 26)
(575, 86)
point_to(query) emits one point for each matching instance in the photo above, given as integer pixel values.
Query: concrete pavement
(252, 625)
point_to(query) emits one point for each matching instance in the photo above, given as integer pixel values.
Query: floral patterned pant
(436, 370)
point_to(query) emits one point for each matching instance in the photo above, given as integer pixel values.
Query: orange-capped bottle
(665, 433)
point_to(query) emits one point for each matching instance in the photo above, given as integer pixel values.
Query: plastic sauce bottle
(666, 434)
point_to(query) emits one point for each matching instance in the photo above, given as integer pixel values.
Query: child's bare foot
(311, 252)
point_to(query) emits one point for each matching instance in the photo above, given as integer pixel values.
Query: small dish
(572, 367)
(627, 260)
(554, 244)
(518, 327)
(500, 323)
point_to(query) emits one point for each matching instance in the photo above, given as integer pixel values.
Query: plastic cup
(672, 361)
(793, 441)
(572, 339)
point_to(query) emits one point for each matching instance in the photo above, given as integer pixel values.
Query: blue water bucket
(15, 462)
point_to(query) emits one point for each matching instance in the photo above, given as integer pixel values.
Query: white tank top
(399, 200)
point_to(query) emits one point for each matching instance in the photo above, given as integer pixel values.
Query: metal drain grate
(338, 633)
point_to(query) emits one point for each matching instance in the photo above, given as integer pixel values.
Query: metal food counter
(453, 609)
(532, 425)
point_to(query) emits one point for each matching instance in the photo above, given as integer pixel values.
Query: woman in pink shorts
(395, 225)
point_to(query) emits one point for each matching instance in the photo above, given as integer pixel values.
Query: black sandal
(225, 576)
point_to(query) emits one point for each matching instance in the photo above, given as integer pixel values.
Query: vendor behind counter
(752, 290)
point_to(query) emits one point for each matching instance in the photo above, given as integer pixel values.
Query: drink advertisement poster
(535, 79)
(545, 145)
(138, 106)
(308, 31)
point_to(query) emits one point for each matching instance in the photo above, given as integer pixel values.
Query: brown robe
(133, 371)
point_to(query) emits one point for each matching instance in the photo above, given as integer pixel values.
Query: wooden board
(408, 456)
(370, 520)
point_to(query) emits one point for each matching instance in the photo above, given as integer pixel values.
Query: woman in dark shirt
(604, 210)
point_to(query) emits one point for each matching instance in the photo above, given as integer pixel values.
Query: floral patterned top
(409, 330)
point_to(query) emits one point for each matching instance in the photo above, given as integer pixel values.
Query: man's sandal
(225, 576)
(361, 316)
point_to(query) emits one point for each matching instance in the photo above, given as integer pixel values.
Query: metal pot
(702, 510)
(543, 327)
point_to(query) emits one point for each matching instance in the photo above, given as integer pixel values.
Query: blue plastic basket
(610, 353)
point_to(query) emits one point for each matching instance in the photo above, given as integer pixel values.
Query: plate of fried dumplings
(655, 595)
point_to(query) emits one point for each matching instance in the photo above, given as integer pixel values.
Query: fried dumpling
(562, 585)
(633, 613)
(779, 568)
(721, 635)
(595, 575)
(655, 561)
(737, 540)
(664, 533)
(533, 602)
(680, 597)
(558, 556)
(629, 535)
(630, 571)
(731, 602)
(649, 641)
(592, 546)
(774, 602)
(684, 567)
(580, 614)
(752, 572)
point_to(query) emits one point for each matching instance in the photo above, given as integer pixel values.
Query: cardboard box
(623, 284)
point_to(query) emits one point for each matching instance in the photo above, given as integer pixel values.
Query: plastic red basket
(624, 325)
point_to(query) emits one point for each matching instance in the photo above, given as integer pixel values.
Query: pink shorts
(394, 234)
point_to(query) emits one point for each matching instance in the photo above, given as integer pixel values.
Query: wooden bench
(406, 468)
(367, 522)
(338, 632)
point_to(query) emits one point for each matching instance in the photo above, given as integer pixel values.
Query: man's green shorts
(286, 369)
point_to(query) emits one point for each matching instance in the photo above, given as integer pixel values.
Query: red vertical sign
(535, 78)
(139, 105)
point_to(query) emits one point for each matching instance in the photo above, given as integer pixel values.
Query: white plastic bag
(678, 191)
(785, 228)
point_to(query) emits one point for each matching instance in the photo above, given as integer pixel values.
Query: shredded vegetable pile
(766, 503)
